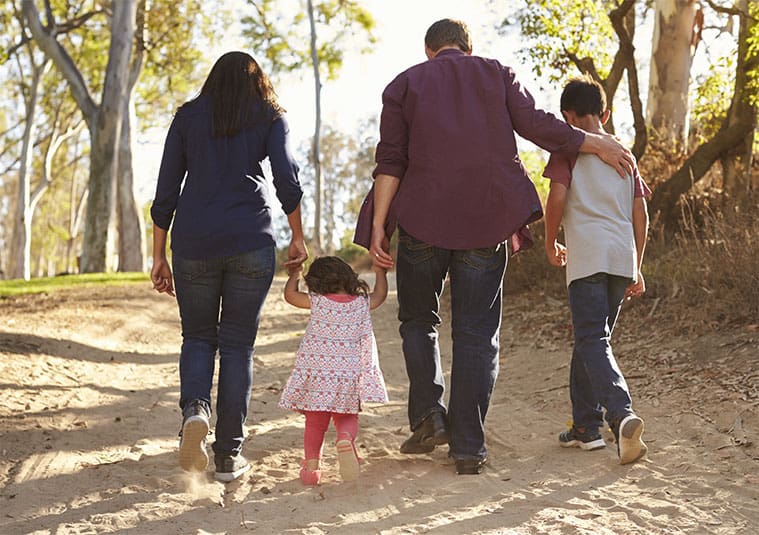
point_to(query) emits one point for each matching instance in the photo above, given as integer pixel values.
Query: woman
(211, 184)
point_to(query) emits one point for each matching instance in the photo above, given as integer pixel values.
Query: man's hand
(556, 253)
(380, 248)
(611, 151)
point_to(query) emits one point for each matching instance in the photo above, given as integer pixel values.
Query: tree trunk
(315, 152)
(131, 233)
(98, 239)
(733, 134)
(21, 239)
(103, 121)
(736, 164)
(677, 32)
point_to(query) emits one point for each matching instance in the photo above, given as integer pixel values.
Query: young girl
(336, 368)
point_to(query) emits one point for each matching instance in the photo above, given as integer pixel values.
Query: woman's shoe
(309, 472)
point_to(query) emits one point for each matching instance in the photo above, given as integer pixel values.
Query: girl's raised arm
(377, 297)
(292, 294)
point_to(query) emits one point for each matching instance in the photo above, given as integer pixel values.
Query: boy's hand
(556, 253)
(636, 289)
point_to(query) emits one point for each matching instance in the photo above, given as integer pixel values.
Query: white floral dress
(337, 366)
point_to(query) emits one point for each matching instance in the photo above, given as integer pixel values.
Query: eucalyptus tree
(103, 118)
(308, 35)
(677, 33)
(594, 37)
(734, 138)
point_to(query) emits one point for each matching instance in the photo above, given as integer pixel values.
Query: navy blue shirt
(214, 188)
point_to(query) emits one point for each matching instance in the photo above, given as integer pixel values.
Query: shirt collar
(449, 52)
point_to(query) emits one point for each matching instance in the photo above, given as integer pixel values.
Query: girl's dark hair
(584, 96)
(331, 275)
(241, 94)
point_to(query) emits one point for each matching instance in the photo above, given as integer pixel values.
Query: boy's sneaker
(630, 446)
(230, 467)
(590, 439)
(192, 444)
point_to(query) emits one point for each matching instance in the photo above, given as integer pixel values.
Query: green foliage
(54, 284)
(281, 36)
(534, 162)
(752, 58)
(711, 98)
(558, 29)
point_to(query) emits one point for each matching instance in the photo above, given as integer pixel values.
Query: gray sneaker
(230, 467)
(192, 445)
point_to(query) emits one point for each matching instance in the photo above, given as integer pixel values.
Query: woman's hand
(163, 281)
(297, 253)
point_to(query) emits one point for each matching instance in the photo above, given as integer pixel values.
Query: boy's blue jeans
(236, 286)
(476, 278)
(595, 380)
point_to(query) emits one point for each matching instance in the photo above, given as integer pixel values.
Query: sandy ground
(89, 422)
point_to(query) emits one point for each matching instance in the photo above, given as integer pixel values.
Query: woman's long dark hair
(241, 94)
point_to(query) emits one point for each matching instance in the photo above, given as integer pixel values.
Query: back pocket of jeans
(256, 264)
(414, 251)
(187, 269)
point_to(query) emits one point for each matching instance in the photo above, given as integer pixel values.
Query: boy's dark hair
(448, 32)
(584, 96)
(331, 275)
(241, 94)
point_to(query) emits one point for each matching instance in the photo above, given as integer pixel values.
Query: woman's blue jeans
(220, 302)
(595, 379)
(476, 279)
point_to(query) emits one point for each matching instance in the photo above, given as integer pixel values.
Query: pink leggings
(317, 423)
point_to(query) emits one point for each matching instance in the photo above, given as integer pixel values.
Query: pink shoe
(347, 459)
(310, 474)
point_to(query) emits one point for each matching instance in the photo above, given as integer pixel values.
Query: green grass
(51, 284)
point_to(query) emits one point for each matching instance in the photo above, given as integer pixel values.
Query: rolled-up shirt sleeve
(170, 176)
(392, 150)
(284, 168)
(542, 128)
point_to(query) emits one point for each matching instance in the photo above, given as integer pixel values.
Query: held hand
(380, 249)
(636, 289)
(617, 155)
(161, 277)
(557, 254)
(296, 255)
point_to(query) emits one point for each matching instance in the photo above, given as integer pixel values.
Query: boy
(605, 222)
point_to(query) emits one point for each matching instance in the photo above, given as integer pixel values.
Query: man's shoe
(630, 445)
(590, 439)
(230, 467)
(432, 432)
(470, 466)
(192, 444)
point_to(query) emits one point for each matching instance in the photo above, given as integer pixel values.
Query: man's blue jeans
(595, 380)
(476, 279)
(236, 286)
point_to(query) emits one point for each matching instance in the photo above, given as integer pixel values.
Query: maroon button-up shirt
(447, 132)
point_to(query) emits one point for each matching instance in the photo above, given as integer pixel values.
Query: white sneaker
(631, 446)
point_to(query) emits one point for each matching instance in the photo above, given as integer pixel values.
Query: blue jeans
(595, 380)
(476, 278)
(237, 286)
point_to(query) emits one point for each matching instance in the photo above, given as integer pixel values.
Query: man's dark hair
(584, 96)
(447, 32)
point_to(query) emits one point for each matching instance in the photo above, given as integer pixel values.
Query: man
(447, 159)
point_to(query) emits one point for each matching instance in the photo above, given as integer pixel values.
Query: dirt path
(89, 418)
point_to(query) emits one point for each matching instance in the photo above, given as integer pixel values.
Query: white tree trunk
(132, 249)
(315, 151)
(677, 31)
(21, 240)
